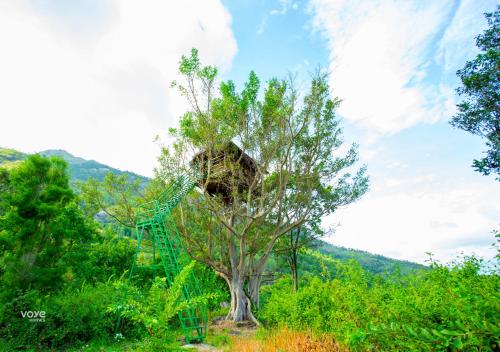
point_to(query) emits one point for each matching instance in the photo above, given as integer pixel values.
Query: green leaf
(450, 332)
(457, 342)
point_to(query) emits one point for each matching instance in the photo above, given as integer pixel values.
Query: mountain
(80, 169)
(374, 263)
(10, 157)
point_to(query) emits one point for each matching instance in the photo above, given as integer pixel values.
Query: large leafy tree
(40, 223)
(299, 171)
(479, 111)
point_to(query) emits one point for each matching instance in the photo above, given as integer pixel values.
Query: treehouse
(227, 168)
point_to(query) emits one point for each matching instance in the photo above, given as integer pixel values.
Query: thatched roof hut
(230, 169)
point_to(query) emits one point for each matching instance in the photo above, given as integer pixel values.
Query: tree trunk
(240, 309)
(253, 288)
(295, 270)
(292, 257)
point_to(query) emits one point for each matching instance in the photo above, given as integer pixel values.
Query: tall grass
(286, 340)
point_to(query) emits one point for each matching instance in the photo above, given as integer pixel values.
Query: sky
(93, 77)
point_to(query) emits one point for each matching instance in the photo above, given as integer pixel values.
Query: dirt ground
(241, 329)
(224, 327)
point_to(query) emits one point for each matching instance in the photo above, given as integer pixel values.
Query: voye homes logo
(37, 316)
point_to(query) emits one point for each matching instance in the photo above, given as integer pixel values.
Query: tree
(289, 246)
(479, 112)
(120, 197)
(117, 196)
(296, 173)
(40, 223)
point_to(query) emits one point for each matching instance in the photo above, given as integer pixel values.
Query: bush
(72, 316)
(444, 308)
(210, 283)
(107, 255)
(156, 308)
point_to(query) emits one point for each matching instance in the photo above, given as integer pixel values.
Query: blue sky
(274, 40)
(92, 77)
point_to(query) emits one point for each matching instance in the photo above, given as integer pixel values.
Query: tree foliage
(299, 173)
(479, 111)
(40, 224)
(117, 196)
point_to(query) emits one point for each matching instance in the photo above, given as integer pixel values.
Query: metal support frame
(157, 219)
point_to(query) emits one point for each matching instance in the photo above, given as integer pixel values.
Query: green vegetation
(83, 170)
(7, 155)
(445, 308)
(10, 158)
(41, 225)
(372, 263)
(376, 264)
(56, 260)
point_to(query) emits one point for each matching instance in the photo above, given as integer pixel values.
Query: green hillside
(10, 157)
(372, 262)
(80, 169)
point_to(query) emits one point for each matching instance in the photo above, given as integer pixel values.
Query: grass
(285, 340)
(218, 339)
(148, 344)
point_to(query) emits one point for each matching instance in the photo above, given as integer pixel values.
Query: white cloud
(386, 57)
(262, 25)
(100, 90)
(408, 216)
(285, 6)
(467, 23)
(393, 63)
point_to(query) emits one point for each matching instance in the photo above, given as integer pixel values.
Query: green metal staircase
(157, 219)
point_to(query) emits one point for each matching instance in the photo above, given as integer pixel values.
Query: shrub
(156, 308)
(210, 282)
(72, 316)
(442, 308)
(105, 256)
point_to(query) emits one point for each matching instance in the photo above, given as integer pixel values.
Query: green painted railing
(156, 218)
